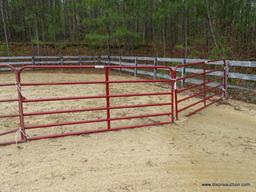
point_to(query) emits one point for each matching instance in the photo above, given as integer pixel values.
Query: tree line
(220, 26)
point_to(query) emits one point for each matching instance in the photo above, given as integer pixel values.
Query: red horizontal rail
(191, 113)
(85, 132)
(141, 94)
(198, 74)
(190, 64)
(198, 85)
(95, 131)
(65, 124)
(95, 121)
(8, 100)
(198, 93)
(7, 84)
(197, 63)
(90, 67)
(193, 104)
(93, 82)
(63, 99)
(8, 132)
(8, 116)
(94, 109)
(62, 83)
(94, 97)
(12, 142)
(210, 91)
(140, 116)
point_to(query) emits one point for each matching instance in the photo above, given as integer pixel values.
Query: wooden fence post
(99, 60)
(136, 64)
(33, 60)
(155, 70)
(183, 73)
(120, 63)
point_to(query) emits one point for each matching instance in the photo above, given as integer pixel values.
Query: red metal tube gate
(108, 107)
(205, 92)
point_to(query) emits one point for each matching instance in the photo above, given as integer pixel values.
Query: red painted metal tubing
(140, 94)
(198, 85)
(139, 105)
(210, 89)
(12, 142)
(191, 113)
(8, 100)
(63, 99)
(141, 81)
(8, 132)
(198, 93)
(93, 82)
(197, 74)
(90, 67)
(190, 64)
(140, 116)
(63, 83)
(7, 85)
(8, 66)
(64, 111)
(93, 109)
(65, 123)
(107, 92)
(8, 116)
(94, 97)
(94, 121)
(193, 104)
(95, 131)
(196, 63)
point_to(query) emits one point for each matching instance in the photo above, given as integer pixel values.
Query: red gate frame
(223, 85)
(174, 103)
(107, 96)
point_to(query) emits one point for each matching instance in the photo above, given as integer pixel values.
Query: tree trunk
(4, 26)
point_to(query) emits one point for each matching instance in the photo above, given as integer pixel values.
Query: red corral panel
(107, 96)
(186, 94)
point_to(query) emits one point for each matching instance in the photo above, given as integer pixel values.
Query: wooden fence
(137, 61)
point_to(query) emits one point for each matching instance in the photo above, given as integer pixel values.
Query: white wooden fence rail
(131, 61)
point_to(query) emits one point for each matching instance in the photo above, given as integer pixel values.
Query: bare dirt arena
(217, 145)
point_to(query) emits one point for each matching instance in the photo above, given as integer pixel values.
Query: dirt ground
(217, 145)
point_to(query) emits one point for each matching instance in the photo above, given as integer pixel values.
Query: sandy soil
(217, 145)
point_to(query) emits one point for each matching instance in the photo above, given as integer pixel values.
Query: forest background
(168, 28)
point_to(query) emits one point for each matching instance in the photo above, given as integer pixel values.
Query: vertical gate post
(175, 94)
(20, 100)
(204, 81)
(155, 64)
(171, 74)
(107, 97)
